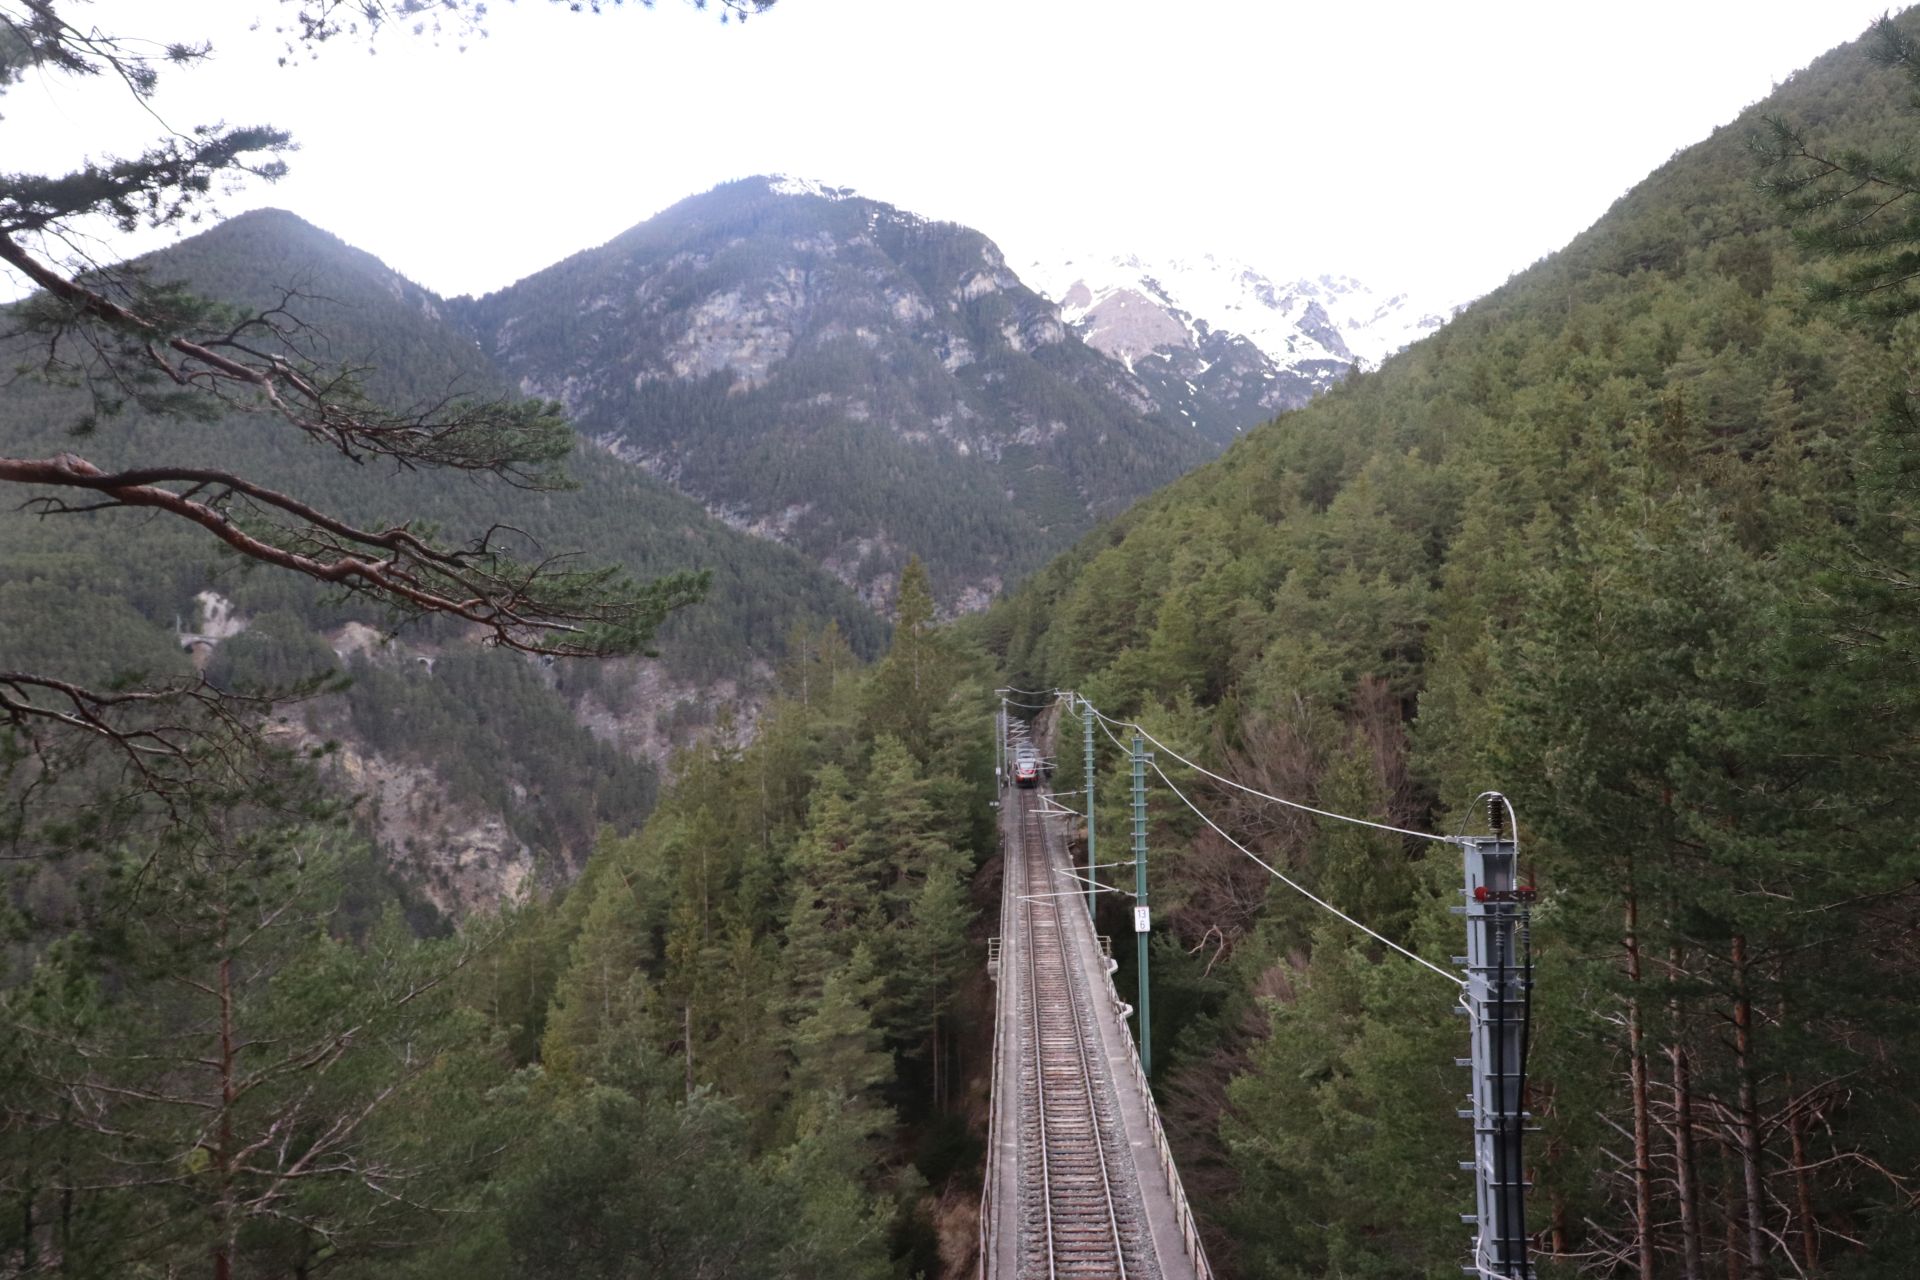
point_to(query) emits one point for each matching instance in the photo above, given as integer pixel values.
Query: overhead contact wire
(1241, 786)
(1295, 885)
(1299, 888)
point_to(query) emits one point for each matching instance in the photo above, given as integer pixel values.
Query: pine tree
(937, 956)
(915, 677)
(1857, 208)
(607, 980)
(837, 1050)
(620, 1185)
(834, 866)
(217, 1078)
(748, 1051)
(842, 1224)
(1691, 809)
(1340, 1132)
(898, 838)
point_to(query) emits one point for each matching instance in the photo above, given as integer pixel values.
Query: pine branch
(539, 606)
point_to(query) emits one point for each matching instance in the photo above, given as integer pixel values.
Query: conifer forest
(438, 841)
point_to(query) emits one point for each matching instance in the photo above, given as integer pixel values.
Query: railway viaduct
(1080, 1181)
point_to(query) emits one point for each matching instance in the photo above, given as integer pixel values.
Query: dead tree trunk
(223, 1206)
(1686, 1171)
(1748, 1120)
(1802, 1185)
(1637, 1077)
(1730, 1244)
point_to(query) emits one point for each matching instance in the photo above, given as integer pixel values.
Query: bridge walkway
(1037, 1208)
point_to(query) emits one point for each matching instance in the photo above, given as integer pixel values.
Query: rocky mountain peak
(1221, 344)
(842, 375)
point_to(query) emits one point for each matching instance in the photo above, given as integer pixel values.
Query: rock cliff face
(463, 855)
(458, 850)
(843, 376)
(459, 856)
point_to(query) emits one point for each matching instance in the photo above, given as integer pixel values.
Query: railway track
(1081, 1215)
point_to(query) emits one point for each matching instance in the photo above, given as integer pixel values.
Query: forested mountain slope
(484, 750)
(846, 377)
(738, 1044)
(1629, 540)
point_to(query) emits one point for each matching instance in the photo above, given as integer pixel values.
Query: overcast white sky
(1435, 146)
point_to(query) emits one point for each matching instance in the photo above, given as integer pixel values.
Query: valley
(603, 776)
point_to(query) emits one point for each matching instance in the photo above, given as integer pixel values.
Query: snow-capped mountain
(786, 184)
(1222, 345)
(1373, 326)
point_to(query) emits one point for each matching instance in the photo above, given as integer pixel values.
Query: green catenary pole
(1086, 710)
(1000, 754)
(1142, 918)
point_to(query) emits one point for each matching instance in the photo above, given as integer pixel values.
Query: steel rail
(1087, 1078)
(1039, 1061)
(1062, 1016)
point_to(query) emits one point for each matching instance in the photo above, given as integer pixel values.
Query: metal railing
(1182, 1211)
(1007, 894)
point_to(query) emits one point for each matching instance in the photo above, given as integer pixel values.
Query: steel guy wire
(1095, 883)
(1241, 786)
(1282, 877)
(1110, 738)
(1296, 886)
(1068, 893)
(1106, 720)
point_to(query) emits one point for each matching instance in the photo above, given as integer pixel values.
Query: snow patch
(786, 184)
(1326, 317)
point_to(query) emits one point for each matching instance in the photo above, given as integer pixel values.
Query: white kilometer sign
(1142, 919)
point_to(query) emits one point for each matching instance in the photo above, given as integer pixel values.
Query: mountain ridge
(489, 769)
(828, 371)
(845, 376)
(1221, 344)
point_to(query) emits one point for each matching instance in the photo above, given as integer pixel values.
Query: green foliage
(609, 1188)
(1347, 1168)
(497, 733)
(225, 1048)
(203, 1068)
(1856, 205)
(687, 1064)
(765, 984)
(1631, 539)
(836, 1048)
